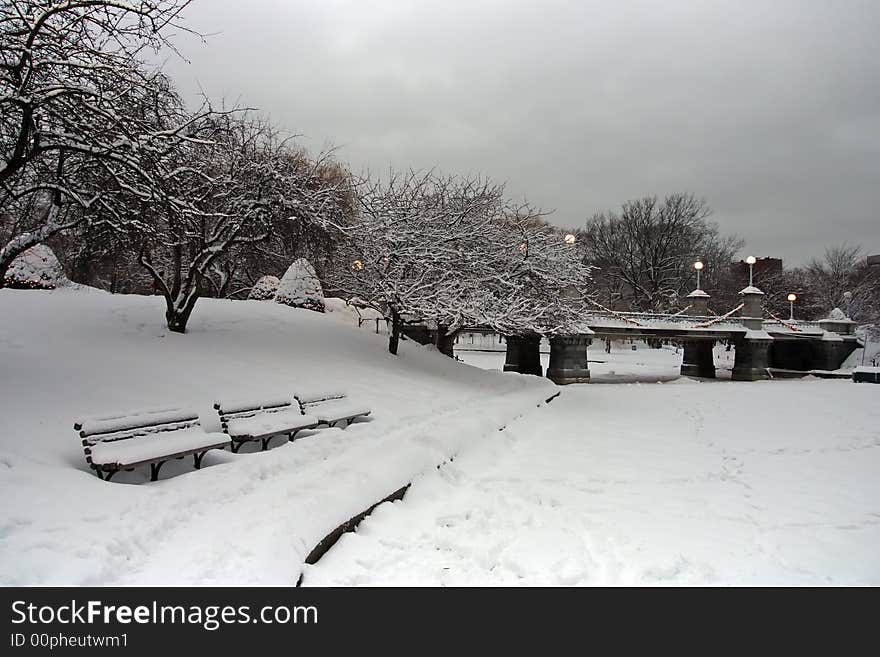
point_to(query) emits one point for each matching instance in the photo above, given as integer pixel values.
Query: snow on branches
(236, 182)
(81, 118)
(455, 251)
(36, 269)
(265, 288)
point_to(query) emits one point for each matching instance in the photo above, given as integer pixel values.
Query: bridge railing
(794, 325)
(658, 320)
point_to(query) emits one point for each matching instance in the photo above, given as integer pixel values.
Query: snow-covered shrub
(36, 269)
(265, 288)
(300, 287)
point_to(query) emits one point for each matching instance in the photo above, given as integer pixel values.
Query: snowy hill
(245, 518)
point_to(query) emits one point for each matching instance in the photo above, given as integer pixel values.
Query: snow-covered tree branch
(82, 119)
(454, 251)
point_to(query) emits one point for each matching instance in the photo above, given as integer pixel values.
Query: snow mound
(265, 288)
(838, 315)
(300, 287)
(351, 313)
(36, 269)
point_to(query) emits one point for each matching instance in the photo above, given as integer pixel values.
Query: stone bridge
(762, 346)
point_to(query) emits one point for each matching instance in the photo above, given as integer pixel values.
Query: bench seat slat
(128, 453)
(334, 411)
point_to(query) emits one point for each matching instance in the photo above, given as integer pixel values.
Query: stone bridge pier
(523, 354)
(568, 359)
(753, 349)
(698, 359)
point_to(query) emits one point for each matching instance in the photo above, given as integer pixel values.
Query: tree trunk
(394, 337)
(444, 342)
(177, 312)
(5, 264)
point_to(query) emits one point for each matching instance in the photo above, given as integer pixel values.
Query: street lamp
(750, 261)
(791, 299)
(357, 265)
(570, 239)
(698, 265)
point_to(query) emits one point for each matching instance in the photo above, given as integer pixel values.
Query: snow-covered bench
(866, 374)
(150, 437)
(262, 419)
(331, 408)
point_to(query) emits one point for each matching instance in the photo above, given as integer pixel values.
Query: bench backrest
(125, 426)
(308, 398)
(228, 410)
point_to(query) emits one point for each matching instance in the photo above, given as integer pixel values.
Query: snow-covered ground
(675, 483)
(249, 518)
(672, 482)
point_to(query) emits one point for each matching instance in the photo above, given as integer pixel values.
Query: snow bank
(248, 518)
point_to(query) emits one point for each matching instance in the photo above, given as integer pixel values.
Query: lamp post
(750, 261)
(570, 238)
(873, 261)
(791, 299)
(698, 265)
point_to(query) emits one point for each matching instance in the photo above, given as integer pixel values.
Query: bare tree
(78, 112)
(644, 254)
(454, 251)
(842, 279)
(401, 254)
(235, 178)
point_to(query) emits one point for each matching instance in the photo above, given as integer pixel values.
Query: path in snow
(684, 483)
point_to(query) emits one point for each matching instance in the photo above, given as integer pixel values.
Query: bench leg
(197, 459)
(154, 470)
(265, 443)
(236, 446)
(292, 435)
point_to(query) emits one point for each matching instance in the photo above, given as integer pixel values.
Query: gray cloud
(769, 110)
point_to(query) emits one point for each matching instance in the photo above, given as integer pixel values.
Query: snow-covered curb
(327, 542)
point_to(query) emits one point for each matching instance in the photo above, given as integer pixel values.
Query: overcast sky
(770, 110)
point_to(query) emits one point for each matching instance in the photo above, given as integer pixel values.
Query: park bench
(331, 408)
(262, 419)
(149, 437)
